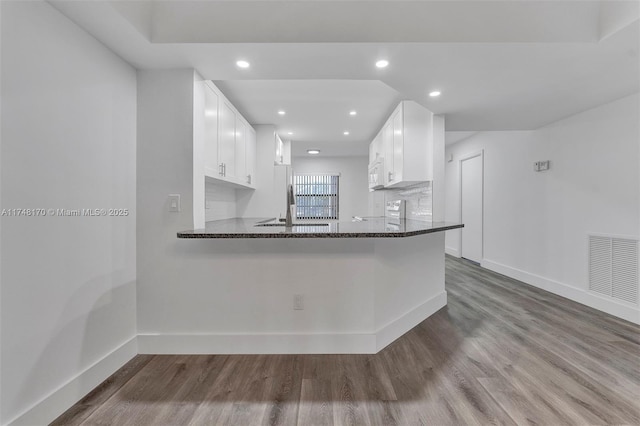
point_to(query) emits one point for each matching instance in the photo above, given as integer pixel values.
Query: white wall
(199, 151)
(164, 166)
(220, 202)
(68, 283)
(1, 206)
(536, 223)
(211, 201)
(439, 186)
(419, 200)
(199, 295)
(269, 197)
(354, 180)
(236, 295)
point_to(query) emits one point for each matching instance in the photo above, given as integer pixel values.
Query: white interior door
(471, 207)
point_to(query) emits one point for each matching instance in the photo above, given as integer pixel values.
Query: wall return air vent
(613, 267)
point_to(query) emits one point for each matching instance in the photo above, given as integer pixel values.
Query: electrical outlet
(298, 302)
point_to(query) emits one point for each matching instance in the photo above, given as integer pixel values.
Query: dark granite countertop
(377, 227)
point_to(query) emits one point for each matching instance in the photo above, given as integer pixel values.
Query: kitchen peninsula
(270, 228)
(236, 286)
(343, 287)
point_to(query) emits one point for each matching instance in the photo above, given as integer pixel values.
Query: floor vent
(613, 267)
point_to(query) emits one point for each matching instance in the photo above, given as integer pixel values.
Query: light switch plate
(174, 202)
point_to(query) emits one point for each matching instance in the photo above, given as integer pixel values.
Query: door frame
(465, 157)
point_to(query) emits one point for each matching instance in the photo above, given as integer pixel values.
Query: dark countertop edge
(250, 235)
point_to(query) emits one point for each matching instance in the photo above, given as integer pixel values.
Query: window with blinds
(316, 196)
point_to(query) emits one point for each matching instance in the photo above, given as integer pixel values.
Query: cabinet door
(240, 148)
(227, 140)
(210, 131)
(387, 140)
(398, 146)
(375, 148)
(279, 150)
(286, 153)
(250, 155)
(372, 152)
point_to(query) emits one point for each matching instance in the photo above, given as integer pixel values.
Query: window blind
(316, 196)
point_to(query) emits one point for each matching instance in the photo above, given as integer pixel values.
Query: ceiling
(500, 65)
(317, 111)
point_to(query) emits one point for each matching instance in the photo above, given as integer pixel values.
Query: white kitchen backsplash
(219, 202)
(419, 200)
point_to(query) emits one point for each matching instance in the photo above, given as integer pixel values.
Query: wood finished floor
(501, 352)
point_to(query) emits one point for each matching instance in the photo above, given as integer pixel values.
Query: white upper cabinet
(398, 147)
(278, 150)
(250, 155)
(241, 165)
(210, 131)
(376, 149)
(387, 141)
(286, 153)
(282, 150)
(227, 140)
(406, 141)
(230, 141)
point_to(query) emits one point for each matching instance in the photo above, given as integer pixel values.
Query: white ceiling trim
(485, 86)
(372, 21)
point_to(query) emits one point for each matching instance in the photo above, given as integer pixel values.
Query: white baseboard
(264, 343)
(50, 407)
(289, 343)
(626, 311)
(452, 251)
(398, 327)
(58, 401)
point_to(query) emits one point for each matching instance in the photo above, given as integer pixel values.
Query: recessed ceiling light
(434, 94)
(243, 64)
(281, 112)
(353, 113)
(382, 63)
(289, 133)
(313, 151)
(346, 133)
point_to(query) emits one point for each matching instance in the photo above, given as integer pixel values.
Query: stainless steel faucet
(291, 201)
